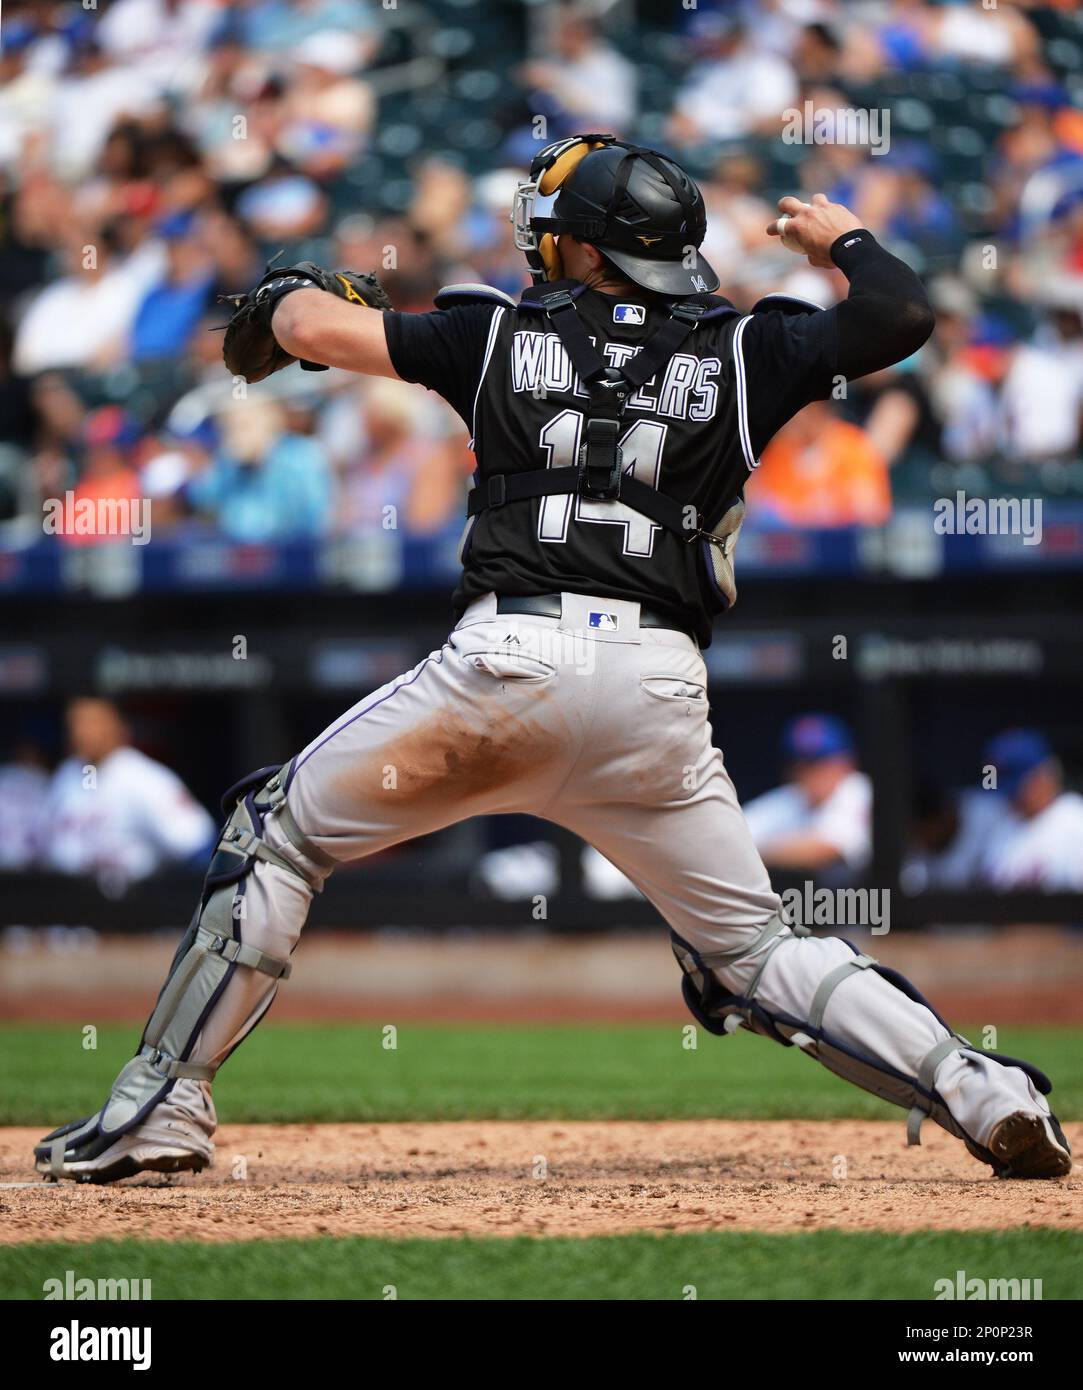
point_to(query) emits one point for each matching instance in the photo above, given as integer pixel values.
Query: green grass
(719, 1265)
(290, 1072)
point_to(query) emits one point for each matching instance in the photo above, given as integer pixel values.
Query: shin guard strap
(170, 1069)
(830, 983)
(230, 949)
(716, 960)
(276, 789)
(926, 1076)
(249, 844)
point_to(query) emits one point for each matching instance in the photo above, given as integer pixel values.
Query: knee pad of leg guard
(209, 953)
(712, 1005)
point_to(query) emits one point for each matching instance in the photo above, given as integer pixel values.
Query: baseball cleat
(1030, 1146)
(125, 1159)
(174, 1138)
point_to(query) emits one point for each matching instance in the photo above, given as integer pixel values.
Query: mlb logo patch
(606, 622)
(629, 313)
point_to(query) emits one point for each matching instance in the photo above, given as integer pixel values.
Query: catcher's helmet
(637, 206)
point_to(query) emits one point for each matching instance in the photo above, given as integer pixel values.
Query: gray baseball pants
(600, 726)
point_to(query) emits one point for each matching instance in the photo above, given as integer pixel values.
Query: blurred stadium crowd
(155, 153)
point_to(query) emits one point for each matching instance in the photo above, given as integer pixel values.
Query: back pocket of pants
(674, 689)
(509, 665)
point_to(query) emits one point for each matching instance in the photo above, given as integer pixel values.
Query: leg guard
(722, 1009)
(210, 953)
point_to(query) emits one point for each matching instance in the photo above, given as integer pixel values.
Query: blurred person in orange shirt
(821, 471)
(107, 475)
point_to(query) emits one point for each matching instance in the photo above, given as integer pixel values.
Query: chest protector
(598, 473)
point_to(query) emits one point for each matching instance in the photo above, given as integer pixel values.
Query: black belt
(551, 606)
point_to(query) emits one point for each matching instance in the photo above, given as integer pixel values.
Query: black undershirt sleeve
(887, 314)
(443, 350)
(790, 359)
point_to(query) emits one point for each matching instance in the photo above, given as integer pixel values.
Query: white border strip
(742, 395)
(489, 346)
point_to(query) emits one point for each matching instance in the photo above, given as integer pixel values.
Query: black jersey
(693, 431)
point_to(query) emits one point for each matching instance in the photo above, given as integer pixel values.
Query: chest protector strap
(599, 470)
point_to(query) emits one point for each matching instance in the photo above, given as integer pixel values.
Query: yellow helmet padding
(559, 170)
(549, 251)
(548, 184)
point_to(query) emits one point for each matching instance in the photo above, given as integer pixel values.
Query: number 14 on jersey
(641, 450)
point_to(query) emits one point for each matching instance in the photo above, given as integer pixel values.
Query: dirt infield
(545, 1178)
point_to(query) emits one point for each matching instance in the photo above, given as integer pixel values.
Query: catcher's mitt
(250, 349)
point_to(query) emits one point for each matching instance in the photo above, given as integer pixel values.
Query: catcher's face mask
(532, 216)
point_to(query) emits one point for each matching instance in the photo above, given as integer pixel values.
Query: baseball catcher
(616, 409)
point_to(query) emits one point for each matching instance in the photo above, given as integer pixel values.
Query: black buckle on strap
(687, 313)
(601, 461)
(498, 490)
(555, 300)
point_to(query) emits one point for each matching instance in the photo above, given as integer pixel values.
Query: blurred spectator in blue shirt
(265, 484)
(1036, 844)
(735, 87)
(1045, 145)
(170, 311)
(586, 79)
(280, 25)
(917, 212)
(285, 204)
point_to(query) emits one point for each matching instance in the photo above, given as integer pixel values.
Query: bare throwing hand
(812, 228)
